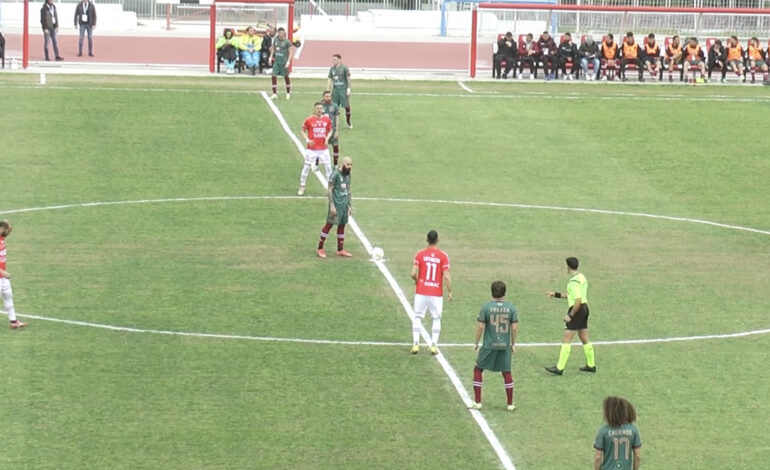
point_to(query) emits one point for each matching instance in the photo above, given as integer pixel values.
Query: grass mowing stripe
(502, 454)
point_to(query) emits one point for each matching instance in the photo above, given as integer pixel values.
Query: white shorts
(5, 288)
(322, 156)
(422, 303)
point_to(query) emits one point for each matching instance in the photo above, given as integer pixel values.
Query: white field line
(464, 86)
(474, 95)
(129, 329)
(502, 454)
(398, 200)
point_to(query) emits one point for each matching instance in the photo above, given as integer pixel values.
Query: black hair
(432, 237)
(572, 262)
(498, 289)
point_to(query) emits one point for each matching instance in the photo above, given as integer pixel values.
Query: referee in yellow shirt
(576, 319)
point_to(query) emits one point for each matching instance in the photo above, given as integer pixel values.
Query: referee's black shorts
(579, 320)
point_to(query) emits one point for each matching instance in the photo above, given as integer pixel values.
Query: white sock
(303, 176)
(328, 168)
(416, 327)
(8, 303)
(435, 330)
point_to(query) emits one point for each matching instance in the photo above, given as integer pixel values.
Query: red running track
(315, 53)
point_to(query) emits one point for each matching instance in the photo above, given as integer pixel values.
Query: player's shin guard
(303, 175)
(416, 327)
(477, 381)
(435, 331)
(508, 379)
(566, 348)
(340, 236)
(274, 81)
(347, 114)
(588, 349)
(287, 81)
(324, 233)
(8, 304)
(336, 149)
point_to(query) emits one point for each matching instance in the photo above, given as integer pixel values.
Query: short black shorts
(580, 320)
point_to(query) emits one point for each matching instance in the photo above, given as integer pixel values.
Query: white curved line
(128, 329)
(404, 200)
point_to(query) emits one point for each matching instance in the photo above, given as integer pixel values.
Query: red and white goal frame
(699, 22)
(213, 31)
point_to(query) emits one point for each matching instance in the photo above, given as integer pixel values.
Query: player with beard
(5, 277)
(340, 207)
(317, 130)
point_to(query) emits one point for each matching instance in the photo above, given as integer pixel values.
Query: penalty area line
(464, 87)
(502, 454)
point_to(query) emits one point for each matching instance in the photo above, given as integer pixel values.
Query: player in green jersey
(499, 323)
(339, 84)
(340, 206)
(576, 319)
(281, 53)
(333, 111)
(616, 440)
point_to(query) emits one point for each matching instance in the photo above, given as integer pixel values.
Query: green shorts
(695, 62)
(758, 63)
(498, 360)
(341, 218)
(334, 140)
(340, 98)
(280, 69)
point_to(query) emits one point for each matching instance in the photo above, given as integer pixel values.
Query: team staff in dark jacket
(49, 20)
(506, 52)
(568, 55)
(85, 17)
(717, 58)
(589, 53)
(548, 51)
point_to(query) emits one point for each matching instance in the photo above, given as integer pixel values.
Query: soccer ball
(377, 253)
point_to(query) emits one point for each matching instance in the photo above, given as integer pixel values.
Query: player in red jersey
(430, 273)
(317, 130)
(5, 277)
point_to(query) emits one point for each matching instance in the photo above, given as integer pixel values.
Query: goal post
(285, 17)
(519, 18)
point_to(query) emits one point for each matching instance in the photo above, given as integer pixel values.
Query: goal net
(238, 15)
(489, 20)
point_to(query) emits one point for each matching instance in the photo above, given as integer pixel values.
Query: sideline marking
(502, 454)
(521, 95)
(464, 87)
(404, 200)
(129, 329)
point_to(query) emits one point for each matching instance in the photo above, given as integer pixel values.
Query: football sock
(340, 236)
(287, 80)
(324, 234)
(274, 81)
(347, 114)
(303, 175)
(563, 355)
(416, 327)
(336, 149)
(8, 303)
(477, 384)
(508, 379)
(435, 331)
(328, 168)
(588, 348)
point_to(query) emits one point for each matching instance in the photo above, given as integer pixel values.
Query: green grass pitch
(77, 397)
